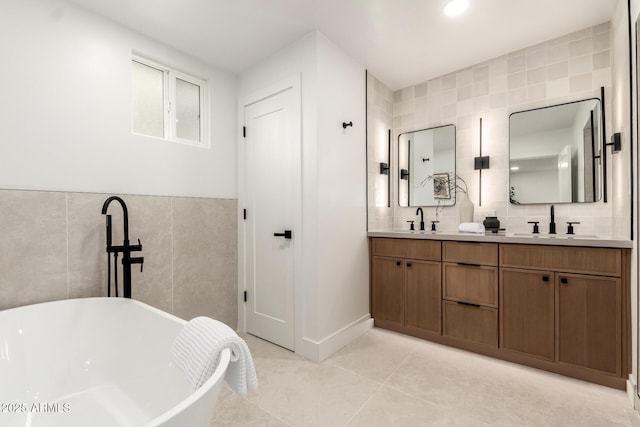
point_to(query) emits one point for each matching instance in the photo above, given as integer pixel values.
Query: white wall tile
(564, 69)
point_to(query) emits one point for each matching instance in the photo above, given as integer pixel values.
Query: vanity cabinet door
(527, 311)
(589, 322)
(423, 295)
(388, 291)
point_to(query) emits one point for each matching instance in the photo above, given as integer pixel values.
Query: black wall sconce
(616, 143)
(616, 147)
(384, 168)
(479, 163)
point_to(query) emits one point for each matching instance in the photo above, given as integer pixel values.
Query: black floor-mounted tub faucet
(125, 249)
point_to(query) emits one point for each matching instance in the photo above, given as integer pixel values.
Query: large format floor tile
(389, 379)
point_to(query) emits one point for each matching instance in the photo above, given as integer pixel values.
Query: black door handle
(287, 234)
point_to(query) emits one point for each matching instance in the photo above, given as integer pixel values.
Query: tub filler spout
(125, 249)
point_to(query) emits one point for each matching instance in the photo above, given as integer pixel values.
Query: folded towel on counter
(471, 227)
(197, 349)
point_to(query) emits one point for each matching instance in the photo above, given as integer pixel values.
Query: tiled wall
(568, 68)
(379, 122)
(52, 247)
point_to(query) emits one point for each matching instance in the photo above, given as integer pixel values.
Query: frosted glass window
(187, 110)
(168, 103)
(148, 100)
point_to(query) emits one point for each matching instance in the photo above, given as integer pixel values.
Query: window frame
(169, 101)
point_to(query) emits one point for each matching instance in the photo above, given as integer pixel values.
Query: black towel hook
(346, 125)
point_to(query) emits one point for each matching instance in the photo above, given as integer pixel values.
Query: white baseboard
(632, 391)
(320, 350)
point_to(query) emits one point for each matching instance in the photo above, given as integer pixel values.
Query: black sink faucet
(419, 211)
(552, 224)
(125, 249)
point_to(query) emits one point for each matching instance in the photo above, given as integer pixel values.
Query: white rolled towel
(471, 227)
(197, 348)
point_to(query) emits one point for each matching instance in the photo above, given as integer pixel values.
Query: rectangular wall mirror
(554, 154)
(427, 167)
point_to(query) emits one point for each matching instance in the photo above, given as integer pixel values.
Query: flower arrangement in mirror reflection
(443, 187)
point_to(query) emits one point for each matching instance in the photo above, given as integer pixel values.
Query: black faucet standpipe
(570, 228)
(536, 229)
(419, 211)
(433, 225)
(411, 227)
(126, 249)
(552, 224)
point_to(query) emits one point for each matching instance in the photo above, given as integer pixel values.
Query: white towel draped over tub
(197, 348)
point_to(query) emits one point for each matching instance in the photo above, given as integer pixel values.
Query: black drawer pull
(408, 264)
(545, 278)
(564, 280)
(468, 304)
(398, 262)
(468, 264)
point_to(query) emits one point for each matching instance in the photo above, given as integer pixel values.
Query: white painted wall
(343, 265)
(539, 144)
(65, 115)
(333, 292)
(539, 186)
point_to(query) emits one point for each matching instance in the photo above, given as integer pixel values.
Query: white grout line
(66, 214)
(366, 402)
(172, 278)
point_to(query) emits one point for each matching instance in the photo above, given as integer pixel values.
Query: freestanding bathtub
(97, 362)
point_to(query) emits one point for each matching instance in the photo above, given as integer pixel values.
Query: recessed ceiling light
(455, 7)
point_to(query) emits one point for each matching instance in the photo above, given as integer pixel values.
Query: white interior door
(564, 174)
(272, 176)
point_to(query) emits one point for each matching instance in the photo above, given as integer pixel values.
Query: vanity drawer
(574, 259)
(429, 250)
(469, 322)
(473, 284)
(470, 253)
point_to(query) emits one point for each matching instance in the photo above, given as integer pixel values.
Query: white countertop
(524, 238)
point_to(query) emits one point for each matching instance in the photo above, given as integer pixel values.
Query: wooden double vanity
(562, 305)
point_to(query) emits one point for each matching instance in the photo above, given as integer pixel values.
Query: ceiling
(401, 42)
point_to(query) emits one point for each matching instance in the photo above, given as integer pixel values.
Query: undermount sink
(557, 236)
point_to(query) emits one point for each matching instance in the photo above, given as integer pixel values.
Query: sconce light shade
(384, 168)
(481, 163)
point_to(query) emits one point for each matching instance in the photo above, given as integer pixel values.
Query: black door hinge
(245, 296)
(244, 214)
(244, 131)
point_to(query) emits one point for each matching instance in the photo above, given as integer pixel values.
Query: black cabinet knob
(564, 280)
(398, 263)
(545, 278)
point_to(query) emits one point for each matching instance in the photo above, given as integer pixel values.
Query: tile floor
(389, 379)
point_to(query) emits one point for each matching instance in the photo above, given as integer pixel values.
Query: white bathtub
(97, 362)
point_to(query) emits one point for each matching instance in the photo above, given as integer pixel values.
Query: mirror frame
(401, 172)
(597, 143)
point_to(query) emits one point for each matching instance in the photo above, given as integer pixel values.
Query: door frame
(290, 83)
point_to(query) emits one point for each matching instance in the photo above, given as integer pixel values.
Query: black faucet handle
(570, 226)
(136, 248)
(433, 225)
(137, 260)
(411, 227)
(536, 229)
